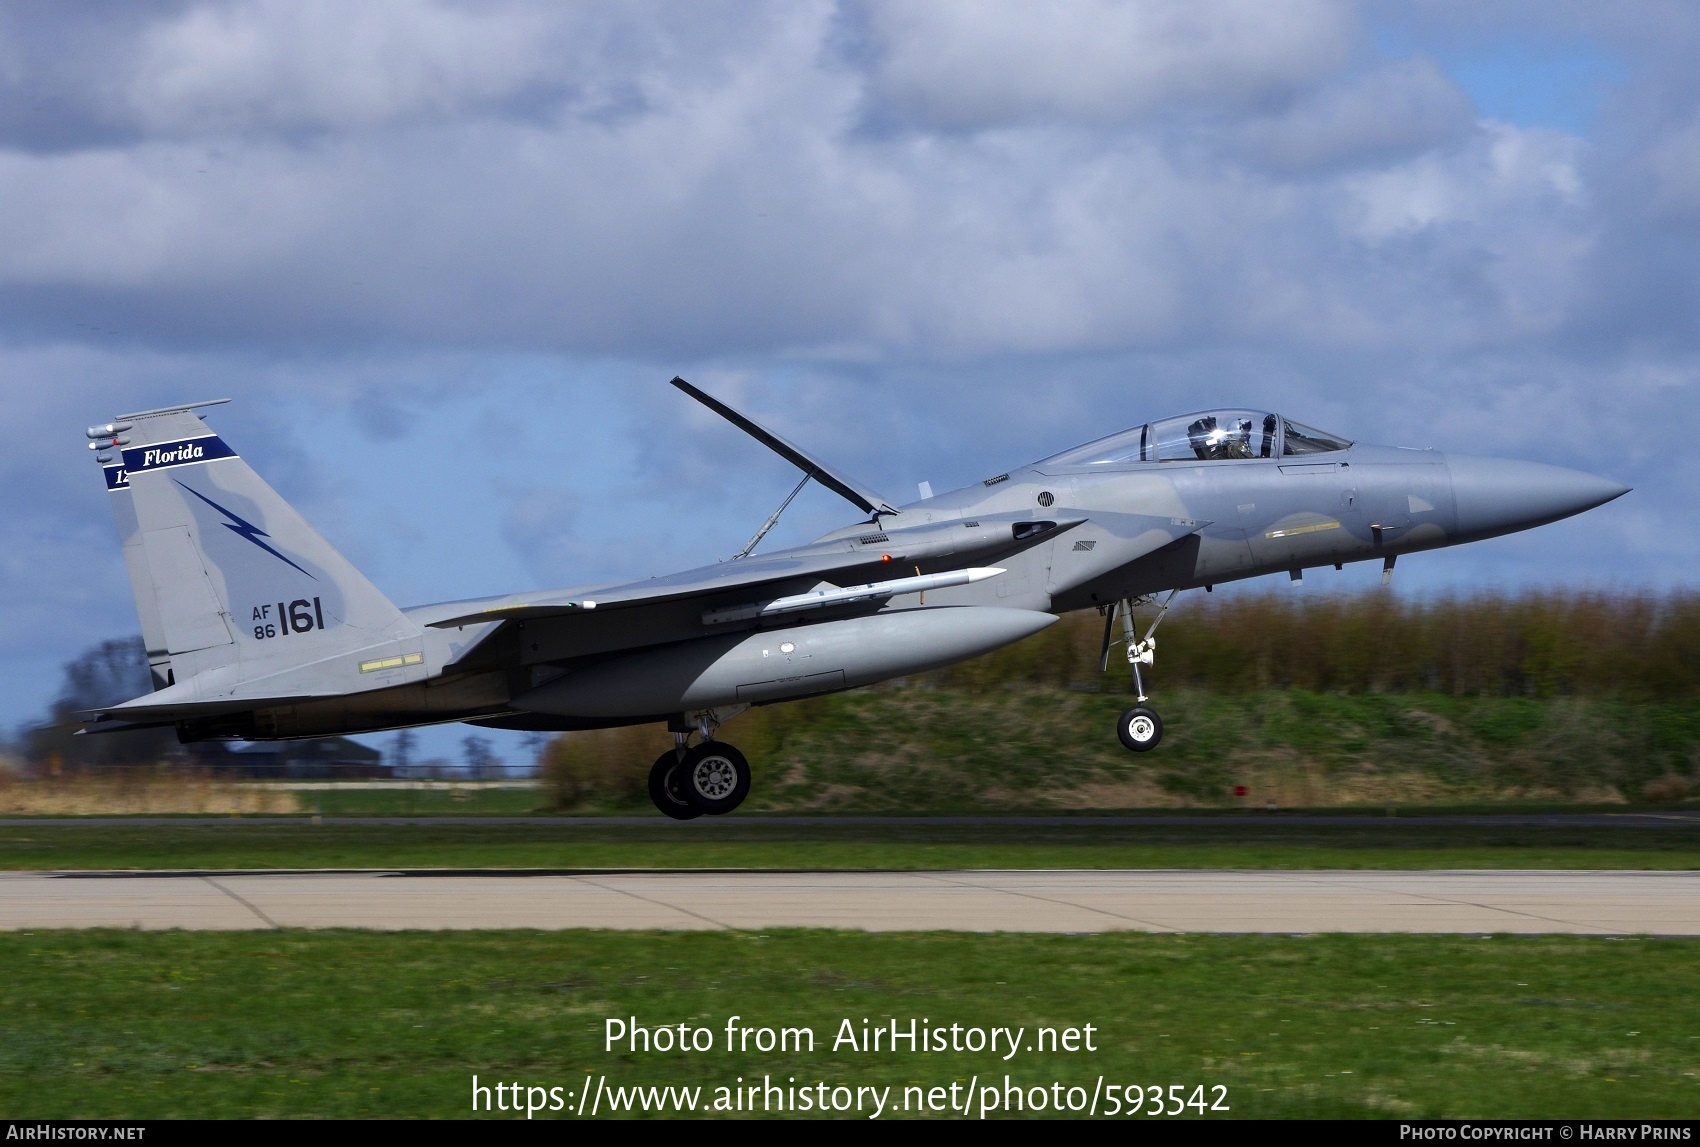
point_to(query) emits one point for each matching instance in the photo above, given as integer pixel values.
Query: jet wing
(839, 483)
(870, 557)
(689, 583)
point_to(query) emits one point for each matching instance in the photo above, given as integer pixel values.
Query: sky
(444, 257)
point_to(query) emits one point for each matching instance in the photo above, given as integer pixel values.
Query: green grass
(424, 802)
(153, 1025)
(925, 747)
(730, 844)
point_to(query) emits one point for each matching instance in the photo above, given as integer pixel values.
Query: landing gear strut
(710, 777)
(1139, 728)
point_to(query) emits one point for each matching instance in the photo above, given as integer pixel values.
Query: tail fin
(141, 579)
(227, 576)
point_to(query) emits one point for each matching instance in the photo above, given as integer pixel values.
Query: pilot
(1211, 441)
(1201, 434)
(1239, 444)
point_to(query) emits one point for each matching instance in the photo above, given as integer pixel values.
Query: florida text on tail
(257, 628)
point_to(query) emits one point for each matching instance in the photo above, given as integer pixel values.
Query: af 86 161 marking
(302, 616)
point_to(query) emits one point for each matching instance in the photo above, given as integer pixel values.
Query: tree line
(1633, 645)
(1540, 643)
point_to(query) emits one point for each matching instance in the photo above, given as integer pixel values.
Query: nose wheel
(1139, 728)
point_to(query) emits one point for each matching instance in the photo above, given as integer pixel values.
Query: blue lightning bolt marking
(245, 529)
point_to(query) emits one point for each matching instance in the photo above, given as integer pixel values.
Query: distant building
(327, 758)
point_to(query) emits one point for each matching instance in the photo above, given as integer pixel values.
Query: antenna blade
(848, 488)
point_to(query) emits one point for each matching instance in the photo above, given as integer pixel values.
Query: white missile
(920, 583)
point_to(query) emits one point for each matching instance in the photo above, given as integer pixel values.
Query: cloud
(1674, 165)
(540, 524)
(305, 177)
(317, 65)
(928, 240)
(1102, 62)
(1394, 111)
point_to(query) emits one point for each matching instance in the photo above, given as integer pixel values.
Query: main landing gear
(1139, 728)
(710, 777)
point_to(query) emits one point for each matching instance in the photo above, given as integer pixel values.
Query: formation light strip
(1311, 529)
(391, 662)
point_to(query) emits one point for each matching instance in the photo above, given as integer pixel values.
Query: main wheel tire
(714, 777)
(1140, 729)
(665, 789)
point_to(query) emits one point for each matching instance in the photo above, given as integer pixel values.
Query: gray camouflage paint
(212, 551)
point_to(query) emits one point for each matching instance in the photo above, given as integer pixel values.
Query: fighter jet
(256, 628)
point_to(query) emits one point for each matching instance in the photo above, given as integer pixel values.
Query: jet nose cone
(1499, 496)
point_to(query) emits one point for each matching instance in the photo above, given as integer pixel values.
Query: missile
(825, 597)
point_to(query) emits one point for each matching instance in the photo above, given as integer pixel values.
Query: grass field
(144, 791)
(953, 748)
(150, 1025)
(939, 745)
(423, 802)
(731, 844)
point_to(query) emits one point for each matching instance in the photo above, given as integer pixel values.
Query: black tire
(665, 791)
(714, 777)
(1140, 729)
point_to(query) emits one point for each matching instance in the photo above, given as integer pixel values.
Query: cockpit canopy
(1207, 436)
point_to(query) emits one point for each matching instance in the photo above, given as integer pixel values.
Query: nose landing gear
(709, 778)
(1139, 728)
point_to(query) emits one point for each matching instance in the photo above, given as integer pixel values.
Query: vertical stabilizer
(141, 578)
(232, 586)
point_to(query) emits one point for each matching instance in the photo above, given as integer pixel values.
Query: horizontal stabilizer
(856, 493)
(189, 699)
(107, 725)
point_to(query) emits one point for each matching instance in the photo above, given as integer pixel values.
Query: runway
(1471, 902)
(1675, 818)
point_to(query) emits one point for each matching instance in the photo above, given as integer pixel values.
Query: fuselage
(1082, 529)
(1256, 516)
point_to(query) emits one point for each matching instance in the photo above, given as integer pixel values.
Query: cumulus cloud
(926, 237)
(307, 174)
(540, 523)
(290, 65)
(1107, 62)
(1393, 111)
(1674, 165)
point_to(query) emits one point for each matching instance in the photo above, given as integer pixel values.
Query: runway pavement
(1584, 903)
(1675, 818)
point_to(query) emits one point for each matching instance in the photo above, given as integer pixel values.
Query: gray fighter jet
(256, 628)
